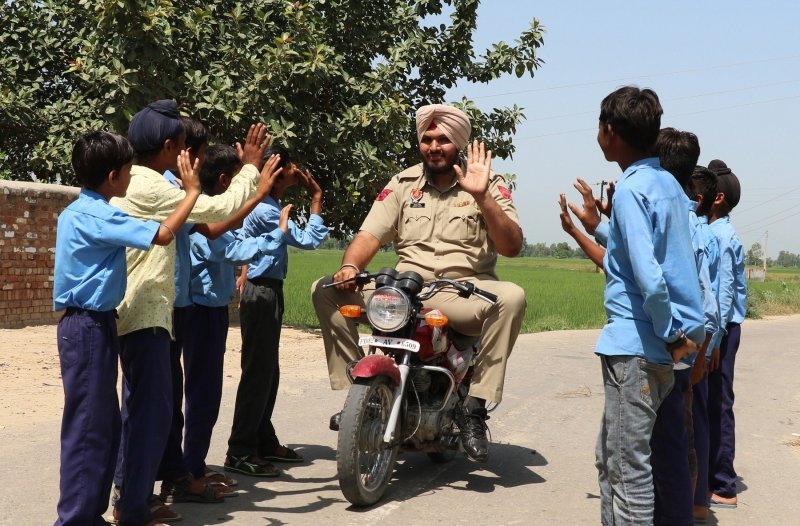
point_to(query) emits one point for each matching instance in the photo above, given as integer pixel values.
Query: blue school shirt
(709, 300)
(732, 287)
(90, 270)
(264, 218)
(712, 258)
(183, 262)
(652, 286)
(212, 281)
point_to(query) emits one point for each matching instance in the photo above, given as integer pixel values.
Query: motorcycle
(406, 396)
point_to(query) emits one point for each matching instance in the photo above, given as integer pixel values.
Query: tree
(754, 256)
(337, 81)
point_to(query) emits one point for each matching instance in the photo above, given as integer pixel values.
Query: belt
(266, 282)
(87, 312)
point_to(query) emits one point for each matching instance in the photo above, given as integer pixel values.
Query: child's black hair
(220, 159)
(197, 133)
(678, 152)
(96, 154)
(703, 183)
(282, 152)
(635, 115)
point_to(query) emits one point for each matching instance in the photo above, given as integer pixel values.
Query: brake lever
(361, 278)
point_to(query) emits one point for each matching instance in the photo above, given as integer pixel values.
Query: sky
(727, 71)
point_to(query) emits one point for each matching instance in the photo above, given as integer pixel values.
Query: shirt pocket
(464, 224)
(416, 224)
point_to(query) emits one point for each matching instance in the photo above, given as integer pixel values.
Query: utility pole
(766, 243)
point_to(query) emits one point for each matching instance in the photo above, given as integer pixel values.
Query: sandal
(250, 465)
(287, 455)
(161, 512)
(216, 476)
(181, 492)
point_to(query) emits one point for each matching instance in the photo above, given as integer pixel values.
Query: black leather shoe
(472, 428)
(335, 421)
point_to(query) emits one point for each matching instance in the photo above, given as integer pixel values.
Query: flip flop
(256, 468)
(714, 504)
(290, 455)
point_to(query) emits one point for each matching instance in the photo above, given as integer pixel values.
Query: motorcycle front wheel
(364, 463)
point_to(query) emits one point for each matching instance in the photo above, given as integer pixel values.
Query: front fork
(397, 400)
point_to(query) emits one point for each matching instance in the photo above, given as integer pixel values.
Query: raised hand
(269, 174)
(566, 219)
(605, 208)
(254, 146)
(479, 164)
(309, 183)
(283, 222)
(189, 175)
(588, 215)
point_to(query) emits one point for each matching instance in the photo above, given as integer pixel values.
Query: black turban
(727, 182)
(150, 127)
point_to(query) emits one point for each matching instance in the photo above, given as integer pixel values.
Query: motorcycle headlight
(388, 309)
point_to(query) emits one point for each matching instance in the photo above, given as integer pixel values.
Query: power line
(664, 74)
(758, 226)
(567, 132)
(686, 97)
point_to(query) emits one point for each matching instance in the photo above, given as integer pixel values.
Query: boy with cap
(145, 323)
(89, 282)
(732, 298)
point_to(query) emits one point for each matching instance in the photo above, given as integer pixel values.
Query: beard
(438, 170)
(442, 168)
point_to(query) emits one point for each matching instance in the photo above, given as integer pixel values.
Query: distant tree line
(755, 256)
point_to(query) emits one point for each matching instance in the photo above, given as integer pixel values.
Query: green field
(561, 293)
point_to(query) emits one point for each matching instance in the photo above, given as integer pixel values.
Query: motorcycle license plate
(385, 341)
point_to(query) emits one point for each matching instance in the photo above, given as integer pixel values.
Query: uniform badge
(505, 192)
(416, 197)
(383, 195)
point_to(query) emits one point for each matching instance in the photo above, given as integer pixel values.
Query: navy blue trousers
(203, 359)
(146, 419)
(670, 458)
(88, 349)
(722, 476)
(172, 466)
(260, 313)
(701, 440)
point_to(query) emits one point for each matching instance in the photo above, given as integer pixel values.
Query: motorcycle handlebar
(465, 288)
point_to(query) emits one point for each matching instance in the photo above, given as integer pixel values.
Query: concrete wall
(28, 218)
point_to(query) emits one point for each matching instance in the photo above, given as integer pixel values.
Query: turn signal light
(350, 311)
(436, 319)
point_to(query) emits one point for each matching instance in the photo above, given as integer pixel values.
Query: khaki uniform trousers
(498, 325)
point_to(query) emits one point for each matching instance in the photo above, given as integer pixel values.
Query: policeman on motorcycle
(447, 217)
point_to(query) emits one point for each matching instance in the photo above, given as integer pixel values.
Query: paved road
(541, 467)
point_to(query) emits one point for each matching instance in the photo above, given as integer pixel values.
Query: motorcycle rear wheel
(364, 463)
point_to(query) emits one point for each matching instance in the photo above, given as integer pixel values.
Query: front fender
(376, 365)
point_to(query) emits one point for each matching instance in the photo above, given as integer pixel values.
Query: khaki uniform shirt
(437, 234)
(150, 293)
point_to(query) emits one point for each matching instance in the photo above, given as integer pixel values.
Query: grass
(561, 293)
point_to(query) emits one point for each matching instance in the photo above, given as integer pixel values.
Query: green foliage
(337, 81)
(561, 293)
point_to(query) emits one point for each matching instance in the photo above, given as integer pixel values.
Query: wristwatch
(679, 342)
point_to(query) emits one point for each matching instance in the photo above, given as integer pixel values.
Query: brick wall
(28, 213)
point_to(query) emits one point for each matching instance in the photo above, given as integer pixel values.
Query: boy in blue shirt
(732, 297)
(213, 287)
(89, 282)
(253, 442)
(702, 189)
(652, 300)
